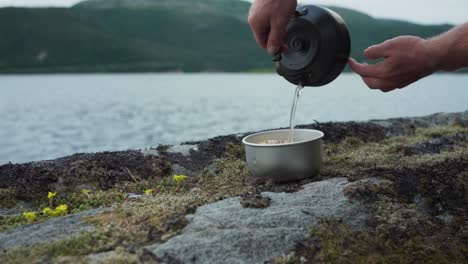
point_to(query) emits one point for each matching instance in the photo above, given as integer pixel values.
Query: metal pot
(284, 162)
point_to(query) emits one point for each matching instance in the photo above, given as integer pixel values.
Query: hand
(268, 20)
(406, 60)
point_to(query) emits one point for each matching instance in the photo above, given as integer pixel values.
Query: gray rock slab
(225, 232)
(183, 149)
(179, 169)
(52, 230)
(150, 152)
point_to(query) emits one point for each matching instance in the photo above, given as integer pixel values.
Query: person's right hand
(268, 20)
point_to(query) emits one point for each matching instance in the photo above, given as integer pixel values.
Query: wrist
(436, 54)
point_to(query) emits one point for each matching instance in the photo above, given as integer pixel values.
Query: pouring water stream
(297, 96)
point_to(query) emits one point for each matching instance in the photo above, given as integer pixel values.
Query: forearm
(450, 50)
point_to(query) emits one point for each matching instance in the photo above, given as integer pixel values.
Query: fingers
(378, 84)
(260, 29)
(274, 41)
(261, 37)
(371, 76)
(378, 51)
(268, 20)
(276, 36)
(405, 62)
(366, 70)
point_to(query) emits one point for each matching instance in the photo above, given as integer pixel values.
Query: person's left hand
(406, 60)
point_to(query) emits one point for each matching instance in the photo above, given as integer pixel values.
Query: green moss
(458, 123)
(76, 202)
(398, 220)
(117, 256)
(12, 221)
(444, 186)
(136, 187)
(352, 141)
(337, 243)
(440, 177)
(163, 210)
(94, 199)
(99, 171)
(86, 243)
(234, 151)
(355, 156)
(228, 177)
(156, 218)
(370, 190)
(7, 197)
(440, 131)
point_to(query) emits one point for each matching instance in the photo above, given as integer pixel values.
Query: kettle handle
(276, 57)
(302, 12)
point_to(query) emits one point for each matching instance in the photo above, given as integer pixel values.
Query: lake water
(49, 116)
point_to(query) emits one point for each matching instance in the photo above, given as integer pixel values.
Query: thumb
(366, 70)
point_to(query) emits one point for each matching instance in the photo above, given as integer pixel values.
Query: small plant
(179, 179)
(86, 192)
(48, 211)
(51, 196)
(60, 210)
(30, 216)
(148, 192)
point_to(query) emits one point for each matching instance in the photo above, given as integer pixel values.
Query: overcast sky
(420, 11)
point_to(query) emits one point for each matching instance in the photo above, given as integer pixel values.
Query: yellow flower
(30, 216)
(148, 192)
(61, 210)
(51, 195)
(179, 178)
(85, 192)
(48, 211)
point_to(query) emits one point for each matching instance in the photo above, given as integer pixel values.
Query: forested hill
(156, 35)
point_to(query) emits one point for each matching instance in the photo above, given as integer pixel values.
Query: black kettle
(319, 46)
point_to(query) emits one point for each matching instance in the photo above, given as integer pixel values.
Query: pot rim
(245, 142)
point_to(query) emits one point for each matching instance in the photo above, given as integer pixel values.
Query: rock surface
(105, 170)
(437, 145)
(403, 179)
(225, 232)
(52, 230)
(407, 125)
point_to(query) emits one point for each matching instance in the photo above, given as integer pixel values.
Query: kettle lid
(319, 46)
